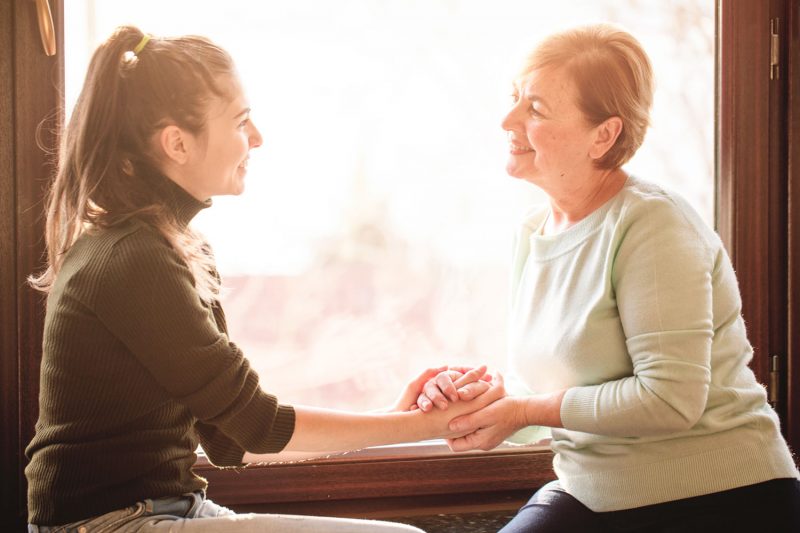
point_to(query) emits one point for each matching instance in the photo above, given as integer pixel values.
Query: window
(373, 239)
(751, 140)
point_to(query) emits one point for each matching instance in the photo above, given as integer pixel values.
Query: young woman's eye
(244, 123)
(514, 98)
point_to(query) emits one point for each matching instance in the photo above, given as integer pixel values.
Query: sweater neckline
(545, 247)
(183, 205)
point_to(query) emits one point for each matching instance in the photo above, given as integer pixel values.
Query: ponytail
(107, 170)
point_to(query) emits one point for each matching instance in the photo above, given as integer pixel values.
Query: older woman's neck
(569, 207)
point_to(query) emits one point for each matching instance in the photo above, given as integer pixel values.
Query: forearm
(285, 457)
(543, 409)
(323, 430)
(648, 404)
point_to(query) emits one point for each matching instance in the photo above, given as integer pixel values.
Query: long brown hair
(107, 170)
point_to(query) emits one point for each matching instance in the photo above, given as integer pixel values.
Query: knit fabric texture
(136, 371)
(636, 311)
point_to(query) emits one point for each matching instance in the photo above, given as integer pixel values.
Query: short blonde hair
(613, 77)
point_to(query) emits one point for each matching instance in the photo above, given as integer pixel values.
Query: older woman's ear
(606, 134)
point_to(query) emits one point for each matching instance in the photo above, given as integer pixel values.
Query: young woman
(137, 365)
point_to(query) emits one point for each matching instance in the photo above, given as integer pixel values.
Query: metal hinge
(774, 380)
(774, 49)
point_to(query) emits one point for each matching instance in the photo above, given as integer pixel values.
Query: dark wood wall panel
(792, 71)
(39, 92)
(748, 168)
(31, 96)
(9, 404)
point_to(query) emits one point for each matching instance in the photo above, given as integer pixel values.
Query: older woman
(626, 321)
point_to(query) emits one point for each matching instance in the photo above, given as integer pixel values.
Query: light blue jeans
(194, 513)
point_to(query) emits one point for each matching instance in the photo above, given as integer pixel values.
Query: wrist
(526, 411)
(426, 426)
(544, 409)
(523, 411)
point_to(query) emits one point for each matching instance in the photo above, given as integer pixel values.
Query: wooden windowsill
(385, 481)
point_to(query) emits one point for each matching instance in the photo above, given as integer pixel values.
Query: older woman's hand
(488, 427)
(453, 384)
(459, 382)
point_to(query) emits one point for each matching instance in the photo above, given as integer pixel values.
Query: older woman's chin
(516, 172)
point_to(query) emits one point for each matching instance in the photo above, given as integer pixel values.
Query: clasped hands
(479, 413)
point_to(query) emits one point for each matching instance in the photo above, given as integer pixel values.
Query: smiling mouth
(517, 149)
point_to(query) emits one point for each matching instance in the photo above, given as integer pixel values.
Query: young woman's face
(218, 163)
(548, 136)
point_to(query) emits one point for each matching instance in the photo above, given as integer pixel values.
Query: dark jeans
(769, 507)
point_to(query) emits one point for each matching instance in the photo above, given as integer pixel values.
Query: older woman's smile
(516, 149)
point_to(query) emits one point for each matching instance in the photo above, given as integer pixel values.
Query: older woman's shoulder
(647, 203)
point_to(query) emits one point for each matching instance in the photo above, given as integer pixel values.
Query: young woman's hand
(407, 399)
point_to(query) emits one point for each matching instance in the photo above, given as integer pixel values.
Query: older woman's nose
(255, 136)
(510, 119)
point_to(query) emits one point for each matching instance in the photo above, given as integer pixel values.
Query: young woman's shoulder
(124, 249)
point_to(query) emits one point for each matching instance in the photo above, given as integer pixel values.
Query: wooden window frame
(758, 135)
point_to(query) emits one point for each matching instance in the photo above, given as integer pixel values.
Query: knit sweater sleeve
(146, 298)
(662, 275)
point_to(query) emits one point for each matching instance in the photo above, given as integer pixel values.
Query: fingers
(424, 403)
(470, 376)
(473, 390)
(494, 393)
(445, 383)
(481, 412)
(438, 387)
(431, 390)
(461, 444)
(426, 375)
(499, 381)
(465, 423)
(479, 440)
(439, 391)
(466, 369)
(412, 390)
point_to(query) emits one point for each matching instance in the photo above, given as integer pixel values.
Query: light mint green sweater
(636, 311)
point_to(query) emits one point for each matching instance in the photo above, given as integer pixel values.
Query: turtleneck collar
(182, 204)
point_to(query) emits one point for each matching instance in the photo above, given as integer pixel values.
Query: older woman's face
(548, 135)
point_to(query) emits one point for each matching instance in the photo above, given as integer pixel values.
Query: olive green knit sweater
(136, 371)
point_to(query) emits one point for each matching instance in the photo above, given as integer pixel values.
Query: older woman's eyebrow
(533, 98)
(243, 112)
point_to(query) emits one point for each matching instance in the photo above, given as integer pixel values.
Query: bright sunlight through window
(374, 235)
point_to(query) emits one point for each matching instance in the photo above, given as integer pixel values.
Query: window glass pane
(374, 235)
